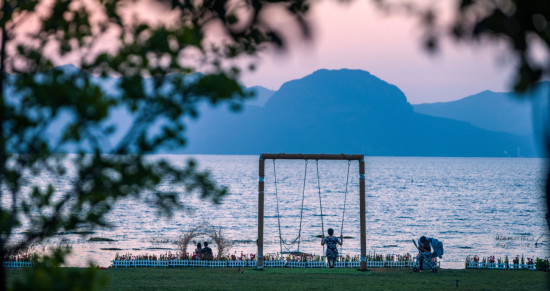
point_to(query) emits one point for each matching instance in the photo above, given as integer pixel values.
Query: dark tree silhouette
(156, 59)
(35, 94)
(524, 26)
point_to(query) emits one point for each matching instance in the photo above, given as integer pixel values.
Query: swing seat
(297, 253)
(338, 256)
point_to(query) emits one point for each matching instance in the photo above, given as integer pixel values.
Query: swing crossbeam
(341, 157)
(283, 156)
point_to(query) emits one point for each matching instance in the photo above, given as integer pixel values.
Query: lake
(476, 206)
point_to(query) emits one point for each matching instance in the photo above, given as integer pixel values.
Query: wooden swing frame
(341, 157)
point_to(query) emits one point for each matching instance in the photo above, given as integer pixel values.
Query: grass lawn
(299, 279)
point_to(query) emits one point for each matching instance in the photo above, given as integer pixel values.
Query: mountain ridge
(372, 117)
(497, 111)
(331, 111)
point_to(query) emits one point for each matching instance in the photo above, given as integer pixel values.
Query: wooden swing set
(306, 157)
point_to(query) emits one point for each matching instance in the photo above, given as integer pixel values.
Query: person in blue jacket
(425, 244)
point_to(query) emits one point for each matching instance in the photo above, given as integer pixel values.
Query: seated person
(206, 252)
(332, 251)
(198, 250)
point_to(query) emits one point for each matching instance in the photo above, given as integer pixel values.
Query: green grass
(343, 279)
(301, 279)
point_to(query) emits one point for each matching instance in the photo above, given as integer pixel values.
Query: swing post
(260, 241)
(362, 215)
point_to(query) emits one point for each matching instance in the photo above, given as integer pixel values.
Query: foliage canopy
(156, 60)
(156, 49)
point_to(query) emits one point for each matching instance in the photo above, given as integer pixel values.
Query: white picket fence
(230, 264)
(499, 266)
(182, 263)
(267, 264)
(18, 264)
(277, 264)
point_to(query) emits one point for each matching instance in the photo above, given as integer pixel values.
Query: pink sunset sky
(358, 36)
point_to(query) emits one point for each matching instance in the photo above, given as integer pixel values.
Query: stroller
(427, 262)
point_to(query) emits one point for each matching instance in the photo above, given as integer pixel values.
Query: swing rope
(320, 202)
(344, 212)
(302, 208)
(282, 242)
(345, 199)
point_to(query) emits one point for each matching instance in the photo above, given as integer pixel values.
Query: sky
(358, 36)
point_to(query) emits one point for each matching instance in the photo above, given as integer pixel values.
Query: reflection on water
(483, 206)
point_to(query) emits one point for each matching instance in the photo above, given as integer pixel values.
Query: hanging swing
(321, 203)
(283, 243)
(288, 245)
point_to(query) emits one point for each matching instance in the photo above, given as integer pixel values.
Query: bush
(542, 264)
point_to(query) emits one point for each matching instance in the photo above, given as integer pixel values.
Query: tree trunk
(3, 281)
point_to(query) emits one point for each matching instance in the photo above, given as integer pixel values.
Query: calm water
(483, 206)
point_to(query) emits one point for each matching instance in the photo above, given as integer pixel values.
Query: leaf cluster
(48, 274)
(522, 25)
(156, 71)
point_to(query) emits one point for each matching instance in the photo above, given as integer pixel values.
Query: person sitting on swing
(332, 250)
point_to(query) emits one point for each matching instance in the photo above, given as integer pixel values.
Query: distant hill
(122, 118)
(262, 95)
(352, 111)
(504, 112)
(329, 111)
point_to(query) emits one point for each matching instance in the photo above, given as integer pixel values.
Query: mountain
(504, 112)
(329, 111)
(351, 111)
(120, 116)
(262, 95)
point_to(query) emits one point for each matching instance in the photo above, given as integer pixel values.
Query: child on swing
(332, 250)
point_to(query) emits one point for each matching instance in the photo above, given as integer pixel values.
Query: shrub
(542, 264)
